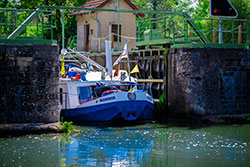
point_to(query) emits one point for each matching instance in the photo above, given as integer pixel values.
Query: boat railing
(126, 87)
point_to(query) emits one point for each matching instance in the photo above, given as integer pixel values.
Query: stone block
(27, 74)
(209, 81)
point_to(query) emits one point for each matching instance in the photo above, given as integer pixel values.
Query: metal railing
(38, 26)
(98, 91)
(172, 26)
(235, 31)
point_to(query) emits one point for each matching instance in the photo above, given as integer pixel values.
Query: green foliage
(10, 4)
(162, 100)
(32, 31)
(221, 121)
(166, 51)
(242, 6)
(202, 9)
(66, 127)
(70, 21)
(170, 5)
(69, 131)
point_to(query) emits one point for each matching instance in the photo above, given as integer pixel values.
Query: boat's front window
(100, 91)
(83, 93)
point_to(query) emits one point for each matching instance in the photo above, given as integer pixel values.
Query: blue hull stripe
(126, 110)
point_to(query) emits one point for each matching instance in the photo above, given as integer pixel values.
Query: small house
(94, 27)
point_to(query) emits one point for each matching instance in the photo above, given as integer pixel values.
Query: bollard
(240, 34)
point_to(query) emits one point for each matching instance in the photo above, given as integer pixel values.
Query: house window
(115, 31)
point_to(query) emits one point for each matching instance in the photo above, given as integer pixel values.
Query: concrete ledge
(28, 41)
(227, 119)
(202, 45)
(28, 128)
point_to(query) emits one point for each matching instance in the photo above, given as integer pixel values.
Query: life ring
(110, 91)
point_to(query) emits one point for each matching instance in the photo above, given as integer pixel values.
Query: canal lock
(152, 66)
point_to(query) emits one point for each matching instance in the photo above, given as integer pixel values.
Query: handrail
(175, 30)
(13, 23)
(20, 28)
(25, 10)
(171, 24)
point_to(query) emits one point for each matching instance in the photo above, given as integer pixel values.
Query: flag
(63, 67)
(130, 89)
(89, 66)
(135, 69)
(123, 55)
(117, 71)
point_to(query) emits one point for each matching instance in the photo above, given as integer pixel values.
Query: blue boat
(113, 100)
(108, 102)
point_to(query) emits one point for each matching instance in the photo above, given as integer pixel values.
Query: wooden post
(191, 34)
(89, 45)
(240, 35)
(214, 35)
(112, 41)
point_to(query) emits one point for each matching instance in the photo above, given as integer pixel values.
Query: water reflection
(141, 145)
(109, 147)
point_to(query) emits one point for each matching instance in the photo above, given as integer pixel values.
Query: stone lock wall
(209, 81)
(29, 78)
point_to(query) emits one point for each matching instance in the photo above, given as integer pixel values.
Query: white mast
(128, 62)
(108, 58)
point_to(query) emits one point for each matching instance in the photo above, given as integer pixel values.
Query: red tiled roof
(95, 3)
(102, 3)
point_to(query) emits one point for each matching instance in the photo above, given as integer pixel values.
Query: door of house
(86, 36)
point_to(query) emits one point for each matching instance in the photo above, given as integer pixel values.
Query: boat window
(83, 93)
(92, 87)
(61, 96)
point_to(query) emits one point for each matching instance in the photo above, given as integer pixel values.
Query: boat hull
(121, 110)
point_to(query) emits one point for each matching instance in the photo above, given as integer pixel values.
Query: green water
(138, 145)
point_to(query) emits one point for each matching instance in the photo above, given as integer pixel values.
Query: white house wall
(127, 21)
(83, 20)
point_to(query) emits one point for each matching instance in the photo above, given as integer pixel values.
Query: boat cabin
(74, 93)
